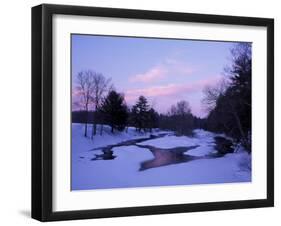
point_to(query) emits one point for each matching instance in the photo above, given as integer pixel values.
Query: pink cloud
(170, 67)
(171, 89)
(162, 97)
(153, 74)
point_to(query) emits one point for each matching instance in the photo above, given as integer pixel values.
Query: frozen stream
(132, 159)
(162, 156)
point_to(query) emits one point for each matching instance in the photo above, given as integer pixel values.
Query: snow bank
(120, 172)
(202, 138)
(81, 143)
(171, 142)
(124, 172)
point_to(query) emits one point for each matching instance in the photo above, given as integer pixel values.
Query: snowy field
(124, 170)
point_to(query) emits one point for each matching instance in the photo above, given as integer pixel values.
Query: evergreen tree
(140, 114)
(114, 111)
(152, 121)
(231, 113)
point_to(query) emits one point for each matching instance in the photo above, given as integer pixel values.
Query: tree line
(114, 112)
(229, 103)
(103, 105)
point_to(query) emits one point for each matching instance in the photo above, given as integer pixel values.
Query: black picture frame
(42, 197)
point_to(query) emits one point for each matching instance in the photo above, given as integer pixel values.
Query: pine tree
(140, 115)
(232, 110)
(152, 121)
(114, 111)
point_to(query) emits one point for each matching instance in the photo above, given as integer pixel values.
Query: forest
(228, 105)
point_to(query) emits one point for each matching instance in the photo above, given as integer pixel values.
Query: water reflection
(163, 157)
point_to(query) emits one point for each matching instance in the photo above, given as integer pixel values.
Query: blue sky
(163, 70)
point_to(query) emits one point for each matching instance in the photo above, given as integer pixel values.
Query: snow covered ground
(123, 171)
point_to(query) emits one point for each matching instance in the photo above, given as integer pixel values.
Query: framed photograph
(145, 112)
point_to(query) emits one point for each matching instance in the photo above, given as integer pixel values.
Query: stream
(162, 156)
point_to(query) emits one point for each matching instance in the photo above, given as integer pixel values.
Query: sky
(163, 70)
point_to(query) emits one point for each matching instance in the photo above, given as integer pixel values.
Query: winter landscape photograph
(159, 112)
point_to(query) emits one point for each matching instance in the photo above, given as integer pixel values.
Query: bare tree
(229, 103)
(100, 86)
(180, 118)
(183, 108)
(212, 93)
(85, 88)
